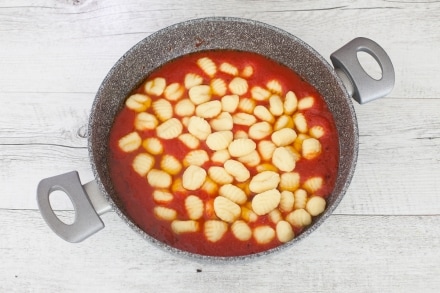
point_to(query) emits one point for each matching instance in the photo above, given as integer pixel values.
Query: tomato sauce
(135, 194)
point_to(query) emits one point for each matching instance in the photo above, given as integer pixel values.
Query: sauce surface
(135, 192)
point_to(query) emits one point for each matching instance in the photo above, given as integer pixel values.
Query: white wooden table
(384, 236)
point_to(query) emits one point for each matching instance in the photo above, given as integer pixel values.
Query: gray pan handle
(87, 201)
(359, 84)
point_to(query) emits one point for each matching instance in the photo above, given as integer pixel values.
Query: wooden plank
(45, 119)
(384, 236)
(71, 34)
(369, 253)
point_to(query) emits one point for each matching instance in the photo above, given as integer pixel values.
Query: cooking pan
(336, 85)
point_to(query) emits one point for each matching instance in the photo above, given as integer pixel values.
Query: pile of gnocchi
(241, 143)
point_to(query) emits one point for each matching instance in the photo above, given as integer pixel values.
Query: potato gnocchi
(194, 207)
(138, 102)
(214, 230)
(228, 153)
(143, 163)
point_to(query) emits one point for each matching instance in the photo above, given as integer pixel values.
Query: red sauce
(136, 194)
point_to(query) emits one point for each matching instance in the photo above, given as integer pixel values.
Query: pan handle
(87, 201)
(359, 84)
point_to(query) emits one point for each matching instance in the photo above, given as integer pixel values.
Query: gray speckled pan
(235, 34)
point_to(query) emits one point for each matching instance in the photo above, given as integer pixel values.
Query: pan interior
(216, 34)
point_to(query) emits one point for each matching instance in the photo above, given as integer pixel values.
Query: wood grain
(383, 237)
(369, 253)
(88, 38)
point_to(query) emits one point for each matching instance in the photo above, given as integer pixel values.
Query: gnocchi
(193, 177)
(223, 155)
(287, 200)
(266, 201)
(276, 105)
(264, 114)
(283, 159)
(155, 86)
(219, 175)
(171, 128)
(315, 205)
(189, 140)
(290, 103)
(164, 213)
(222, 122)
(283, 137)
(250, 160)
(219, 140)
(283, 121)
(230, 103)
(266, 149)
(220, 157)
(130, 142)
(237, 170)
(305, 103)
(284, 231)
(207, 65)
(300, 198)
(138, 102)
(248, 71)
(199, 127)
(259, 93)
(192, 79)
(274, 86)
(153, 146)
(264, 181)
(300, 122)
(184, 108)
(196, 158)
(143, 163)
(158, 178)
(214, 230)
(194, 207)
(228, 68)
(243, 119)
(226, 209)
(289, 181)
(275, 216)
(241, 230)
(209, 109)
(313, 184)
(162, 196)
(264, 234)
(260, 130)
(174, 91)
(247, 105)
(188, 226)
(317, 131)
(299, 218)
(218, 87)
(200, 94)
(241, 147)
(233, 193)
(170, 164)
(145, 121)
(311, 148)
(238, 86)
(163, 109)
